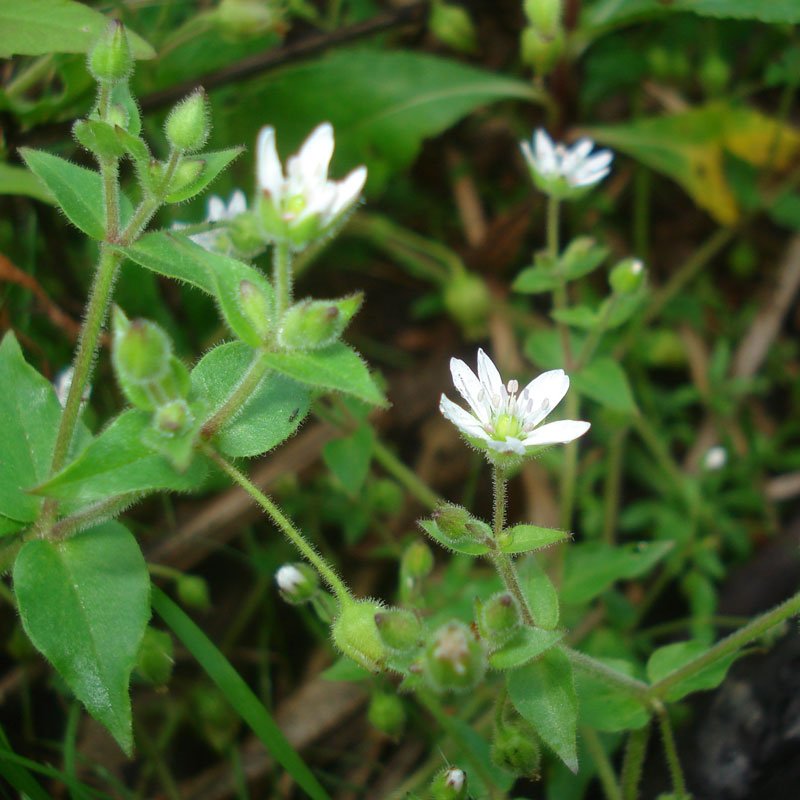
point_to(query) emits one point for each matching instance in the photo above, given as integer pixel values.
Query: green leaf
(349, 457)
(403, 98)
(84, 603)
(271, 415)
(77, 190)
(672, 657)
(467, 547)
(614, 12)
(543, 692)
(237, 693)
(118, 462)
(542, 595)
(582, 256)
(30, 414)
(577, 316)
(544, 348)
(336, 368)
(605, 707)
(213, 163)
(19, 181)
(605, 381)
(536, 280)
(39, 27)
(527, 538)
(524, 647)
(592, 567)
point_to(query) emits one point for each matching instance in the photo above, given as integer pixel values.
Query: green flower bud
(457, 525)
(193, 592)
(256, 308)
(539, 51)
(187, 172)
(627, 276)
(214, 716)
(356, 634)
(467, 299)
(298, 583)
(141, 351)
(449, 784)
(156, 657)
(110, 60)
(714, 74)
(499, 618)
(313, 324)
(246, 19)
(452, 26)
(454, 660)
(516, 748)
(173, 417)
(399, 629)
(545, 15)
(188, 126)
(417, 561)
(387, 713)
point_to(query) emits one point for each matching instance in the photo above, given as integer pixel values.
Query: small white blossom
(503, 419)
(564, 171)
(455, 779)
(289, 578)
(299, 205)
(715, 458)
(217, 211)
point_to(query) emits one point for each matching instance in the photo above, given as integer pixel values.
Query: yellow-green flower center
(507, 426)
(293, 206)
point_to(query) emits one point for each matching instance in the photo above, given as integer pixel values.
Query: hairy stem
(632, 764)
(605, 772)
(671, 755)
(281, 278)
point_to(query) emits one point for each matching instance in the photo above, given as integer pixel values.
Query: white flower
(715, 458)
(289, 579)
(217, 211)
(562, 171)
(503, 419)
(301, 204)
(455, 779)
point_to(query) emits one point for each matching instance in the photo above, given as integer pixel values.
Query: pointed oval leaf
(524, 647)
(671, 657)
(527, 538)
(213, 164)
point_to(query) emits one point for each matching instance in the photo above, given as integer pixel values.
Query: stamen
(513, 387)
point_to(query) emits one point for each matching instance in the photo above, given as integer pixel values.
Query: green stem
(281, 278)
(632, 686)
(569, 467)
(729, 645)
(502, 561)
(404, 476)
(613, 483)
(671, 755)
(325, 571)
(258, 368)
(634, 762)
(605, 772)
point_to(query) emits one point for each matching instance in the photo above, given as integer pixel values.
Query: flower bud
(449, 784)
(156, 657)
(416, 561)
(499, 618)
(187, 126)
(516, 748)
(141, 352)
(454, 660)
(452, 26)
(387, 713)
(456, 524)
(313, 324)
(714, 74)
(193, 592)
(256, 308)
(399, 629)
(467, 299)
(539, 51)
(110, 60)
(544, 15)
(246, 19)
(173, 417)
(627, 276)
(356, 634)
(298, 583)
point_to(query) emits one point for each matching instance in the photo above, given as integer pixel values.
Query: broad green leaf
(605, 707)
(592, 567)
(582, 256)
(349, 457)
(527, 538)
(544, 348)
(577, 316)
(466, 546)
(8, 525)
(118, 462)
(336, 368)
(543, 692)
(20, 181)
(542, 595)
(605, 381)
(39, 27)
(536, 280)
(245, 702)
(271, 415)
(613, 12)
(30, 414)
(671, 657)
(77, 190)
(212, 164)
(690, 147)
(84, 603)
(524, 647)
(403, 98)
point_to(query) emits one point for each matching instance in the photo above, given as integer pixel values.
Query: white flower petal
(216, 209)
(546, 157)
(510, 445)
(566, 430)
(490, 379)
(316, 153)
(237, 204)
(268, 169)
(471, 389)
(348, 191)
(542, 395)
(462, 419)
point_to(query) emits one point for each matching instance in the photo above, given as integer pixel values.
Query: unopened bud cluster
(543, 39)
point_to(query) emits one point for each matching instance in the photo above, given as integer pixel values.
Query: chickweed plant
(489, 654)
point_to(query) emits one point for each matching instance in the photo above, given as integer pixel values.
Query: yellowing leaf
(690, 147)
